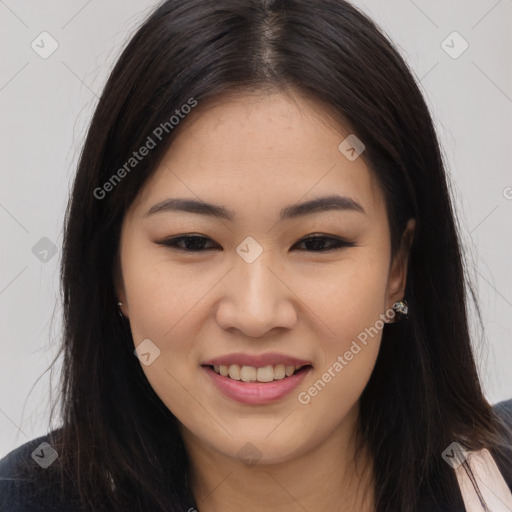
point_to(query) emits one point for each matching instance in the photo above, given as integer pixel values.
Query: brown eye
(195, 243)
(317, 243)
(189, 243)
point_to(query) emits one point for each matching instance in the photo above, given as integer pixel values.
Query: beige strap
(490, 485)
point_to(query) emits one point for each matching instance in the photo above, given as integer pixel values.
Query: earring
(120, 312)
(401, 309)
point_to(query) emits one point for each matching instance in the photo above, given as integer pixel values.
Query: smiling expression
(253, 177)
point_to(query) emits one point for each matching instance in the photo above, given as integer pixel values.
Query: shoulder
(29, 478)
(503, 454)
(504, 410)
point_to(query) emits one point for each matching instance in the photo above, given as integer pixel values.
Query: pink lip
(257, 392)
(268, 359)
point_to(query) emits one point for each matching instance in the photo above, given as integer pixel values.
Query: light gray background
(46, 105)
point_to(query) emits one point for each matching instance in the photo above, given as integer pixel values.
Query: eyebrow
(321, 204)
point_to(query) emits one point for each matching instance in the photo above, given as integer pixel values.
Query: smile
(256, 392)
(267, 373)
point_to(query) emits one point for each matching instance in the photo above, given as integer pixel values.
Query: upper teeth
(252, 374)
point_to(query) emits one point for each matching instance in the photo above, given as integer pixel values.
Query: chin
(264, 449)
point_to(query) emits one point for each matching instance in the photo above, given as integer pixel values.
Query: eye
(316, 243)
(193, 243)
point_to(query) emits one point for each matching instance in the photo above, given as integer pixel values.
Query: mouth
(262, 374)
(256, 385)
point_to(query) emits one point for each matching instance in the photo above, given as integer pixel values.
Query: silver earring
(401, 308)
(120, 312)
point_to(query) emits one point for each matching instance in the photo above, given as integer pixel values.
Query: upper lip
(258, 361)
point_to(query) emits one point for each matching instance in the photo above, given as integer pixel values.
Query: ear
(398, 269)
(119, 286)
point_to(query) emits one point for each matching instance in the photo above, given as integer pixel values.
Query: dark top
(25, 495)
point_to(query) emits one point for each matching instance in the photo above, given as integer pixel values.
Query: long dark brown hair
(119, 445)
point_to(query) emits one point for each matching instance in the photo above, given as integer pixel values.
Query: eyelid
(338, 242)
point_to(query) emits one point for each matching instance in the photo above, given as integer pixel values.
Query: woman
(262, 282)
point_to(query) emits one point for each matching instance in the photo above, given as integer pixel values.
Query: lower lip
(257, 392)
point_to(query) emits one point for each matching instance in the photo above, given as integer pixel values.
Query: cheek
(164, 304)
(160, 295)
(352, 307)
(162, 311)
(349, 296)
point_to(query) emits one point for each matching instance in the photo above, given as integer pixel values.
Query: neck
(326, 477)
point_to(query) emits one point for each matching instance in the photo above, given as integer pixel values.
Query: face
(254, 287)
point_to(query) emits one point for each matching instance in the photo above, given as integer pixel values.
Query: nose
(256, 299)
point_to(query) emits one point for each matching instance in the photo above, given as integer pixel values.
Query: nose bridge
(255, 300)
(255, 284)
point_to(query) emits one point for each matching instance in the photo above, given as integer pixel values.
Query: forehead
(273, 149)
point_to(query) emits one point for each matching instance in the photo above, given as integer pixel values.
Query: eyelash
(172, 243)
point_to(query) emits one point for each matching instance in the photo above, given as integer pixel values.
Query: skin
(255, 153)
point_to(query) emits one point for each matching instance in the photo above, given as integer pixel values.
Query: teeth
(248, 373)
(253, 374)
(289, 370)
(279, 372)
(265, 374)
(234, 372)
